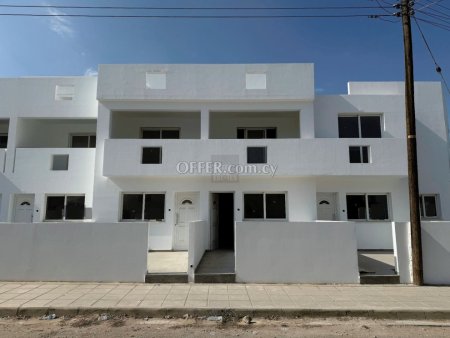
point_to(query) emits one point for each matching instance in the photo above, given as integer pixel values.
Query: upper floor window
(359, 154)
(256, 155)
(160, 133)
(60, 162)
(428, 206)
(255, 133)
(355, 126)
(155, 80)
(3, 141)
(255, 81)
(65, 207)
(367, 207)
(151, 155)
(63, 93)
(83, 141)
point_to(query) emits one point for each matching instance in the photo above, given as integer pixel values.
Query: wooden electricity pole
(416, 235)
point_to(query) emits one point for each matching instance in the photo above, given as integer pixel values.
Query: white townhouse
(239, 159)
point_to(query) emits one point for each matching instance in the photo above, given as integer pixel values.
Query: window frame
(88, 135)
(264, 193)
(143, 194)
(64, 209)
(366, 200)
(358, 116)
(160, 130)
(422, 206)
(264, 129)
(361, 154)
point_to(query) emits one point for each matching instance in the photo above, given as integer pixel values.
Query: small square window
(359, 154)
(151, 155)
(3, 141)
(256, 155)
(60, 162)
(428, 206)
(64, 93)
(156, 80)
(255, 81)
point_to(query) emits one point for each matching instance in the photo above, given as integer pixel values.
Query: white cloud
(60, 25)
(90, 72)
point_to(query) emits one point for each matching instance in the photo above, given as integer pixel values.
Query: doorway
(326, 206)
(222, 221)
(186, 211)
(23, 208)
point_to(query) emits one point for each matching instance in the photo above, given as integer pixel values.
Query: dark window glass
(151, 134)
(370, 126)
(378, 207)
(55, 207)
(365, 154)
(80, 141)
(3, 141)
(430, 206)
(60, 162)
(356, 207)
(275, 206)
(132, 206)
(75, 207)
(240, 133)
(255, 133)
(348, 126)
(271, 133)
(253, 206)
(151, 155)
(170, 134)
(93, 141)
(256, 155)
(355, 154)
(154, 207)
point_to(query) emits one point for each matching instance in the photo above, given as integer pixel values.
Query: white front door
(23, 208)
(186, 211)
(326, 206)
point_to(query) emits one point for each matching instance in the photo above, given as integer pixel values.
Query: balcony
(292, 157)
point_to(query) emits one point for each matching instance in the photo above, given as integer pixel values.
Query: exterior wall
(436, 252)
(199, 242)
(73, 251)
(296, 252)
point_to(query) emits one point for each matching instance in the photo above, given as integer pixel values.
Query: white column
(307, 121)
(204, 118)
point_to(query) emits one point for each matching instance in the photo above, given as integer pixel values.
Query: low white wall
(109, 252)
(198, 243)
(296, 252)
(374, 235)
(436, 252)
(401, 235)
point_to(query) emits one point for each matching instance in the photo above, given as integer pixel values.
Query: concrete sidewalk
(39, 298)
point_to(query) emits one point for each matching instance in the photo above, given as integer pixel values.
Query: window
(256, 155)
(155, 80)
(357, 126)
(265, 206)
(83, 141)
(367, 207)
(151, 155)
(65, 207)
(3, 141)
(60, 162)
(256, 133)
(358, 154)
(428, 206)
(161, 133)
(255, 81)
(143, 207)
(64, 93)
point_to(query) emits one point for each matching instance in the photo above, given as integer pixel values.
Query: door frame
(175, 216)
(14, 205)
(211, 239)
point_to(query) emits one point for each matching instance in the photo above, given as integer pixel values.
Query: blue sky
(350, 49)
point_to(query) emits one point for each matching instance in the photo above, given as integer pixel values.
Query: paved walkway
(382, 301)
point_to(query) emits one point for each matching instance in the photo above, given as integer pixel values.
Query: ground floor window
(265, 206)
(367, 207)
(65, 207)
(141, 206)
(428, 206)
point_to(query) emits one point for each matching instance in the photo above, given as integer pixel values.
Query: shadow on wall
(436, 252)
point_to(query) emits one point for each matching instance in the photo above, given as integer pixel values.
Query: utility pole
(416, 235)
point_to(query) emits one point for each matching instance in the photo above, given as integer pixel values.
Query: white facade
(207, 106)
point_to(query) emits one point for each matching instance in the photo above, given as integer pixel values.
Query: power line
(438, 68)
(430, 4)
(436, 24)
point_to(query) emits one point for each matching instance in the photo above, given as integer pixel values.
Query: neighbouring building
(235, 149)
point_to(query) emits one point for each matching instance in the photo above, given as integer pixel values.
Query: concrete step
(175, 277)
(215, 278)
(379, 279)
